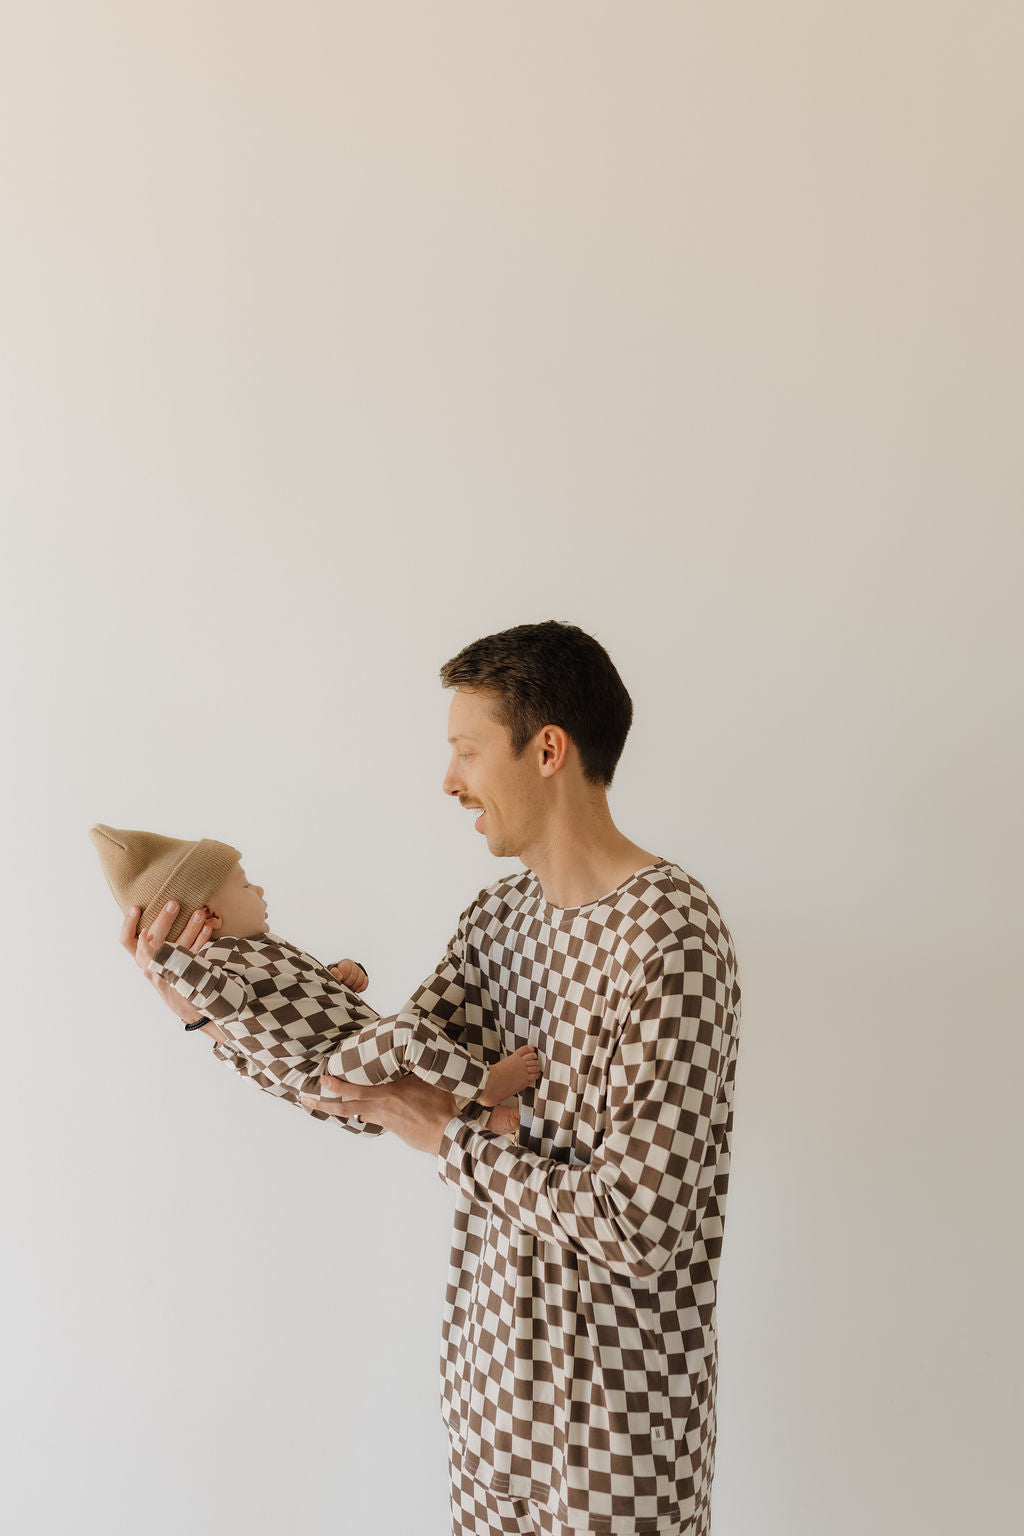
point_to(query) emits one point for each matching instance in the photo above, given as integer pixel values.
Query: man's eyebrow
(453, 739)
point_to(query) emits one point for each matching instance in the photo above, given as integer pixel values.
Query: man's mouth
(467, 807)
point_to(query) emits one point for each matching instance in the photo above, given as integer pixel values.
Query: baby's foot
(504, 1120)
(510, 1074)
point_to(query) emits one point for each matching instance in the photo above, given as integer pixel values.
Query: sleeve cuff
(170, 960)
(447, 1163)
(461, 1142)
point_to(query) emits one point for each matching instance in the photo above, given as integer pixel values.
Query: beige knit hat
(146, 870)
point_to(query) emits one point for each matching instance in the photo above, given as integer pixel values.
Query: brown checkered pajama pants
(476, 1511)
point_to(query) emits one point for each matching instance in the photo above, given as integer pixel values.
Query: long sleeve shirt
(285, 1015)
(579, 1343)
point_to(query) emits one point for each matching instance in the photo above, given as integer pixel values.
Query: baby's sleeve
(213, 988)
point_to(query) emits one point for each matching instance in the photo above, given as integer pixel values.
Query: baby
(277, 1014)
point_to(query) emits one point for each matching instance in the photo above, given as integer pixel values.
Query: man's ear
(554, 749)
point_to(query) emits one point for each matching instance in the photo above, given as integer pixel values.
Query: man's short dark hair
(551, 674)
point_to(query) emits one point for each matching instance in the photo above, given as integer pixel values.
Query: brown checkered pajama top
(579, 1341)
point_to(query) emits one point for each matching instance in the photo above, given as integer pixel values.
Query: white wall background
(333, 337)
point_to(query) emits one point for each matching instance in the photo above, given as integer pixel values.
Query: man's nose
(450, 785)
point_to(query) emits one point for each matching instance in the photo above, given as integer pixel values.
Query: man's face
(240, 905)
(502, 791)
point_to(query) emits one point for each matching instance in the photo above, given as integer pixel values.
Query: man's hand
(416, 1111)
(143, 946)
(351, 974)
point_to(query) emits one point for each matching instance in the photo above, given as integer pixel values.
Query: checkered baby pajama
(285, 1014)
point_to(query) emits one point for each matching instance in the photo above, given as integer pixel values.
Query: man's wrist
(186, 1012)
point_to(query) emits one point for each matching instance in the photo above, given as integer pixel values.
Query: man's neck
(585, 860)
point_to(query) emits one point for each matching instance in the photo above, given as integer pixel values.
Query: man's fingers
(144, 948)
(151, 938)
(335, 1090)
(341, 1088)
(197, 931)
(130, 929)
(414, 1109)
(162, 924)
(140, 946)
(351, 1101)
(343, 1109)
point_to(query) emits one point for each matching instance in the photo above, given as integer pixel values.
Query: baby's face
(240, 907)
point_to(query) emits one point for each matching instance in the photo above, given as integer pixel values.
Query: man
(580, 1348)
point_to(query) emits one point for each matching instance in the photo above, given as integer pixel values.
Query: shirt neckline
(559, 914)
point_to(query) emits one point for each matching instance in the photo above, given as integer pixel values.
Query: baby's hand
(351, 974)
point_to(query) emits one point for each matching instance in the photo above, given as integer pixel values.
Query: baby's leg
(402, 1043)
(390, 1047)
(510, 1074)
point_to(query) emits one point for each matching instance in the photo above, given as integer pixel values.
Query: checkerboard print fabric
(285, 1015)
(478, 1511)
(579, 1341)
